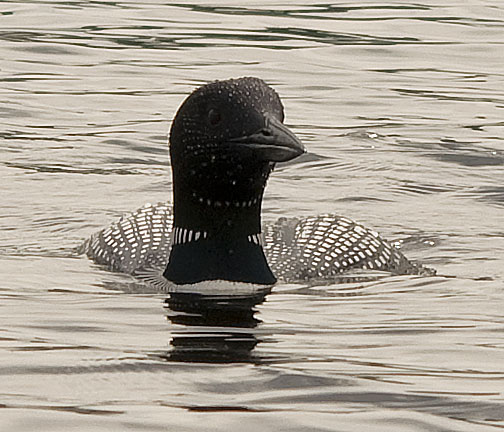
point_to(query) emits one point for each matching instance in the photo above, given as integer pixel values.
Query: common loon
(224, 142)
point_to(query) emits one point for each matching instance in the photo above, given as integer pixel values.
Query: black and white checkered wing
(327, 245)
(137, 241)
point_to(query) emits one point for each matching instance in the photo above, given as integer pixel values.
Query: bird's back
(296, 249)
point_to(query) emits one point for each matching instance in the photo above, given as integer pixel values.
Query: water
(401, 107)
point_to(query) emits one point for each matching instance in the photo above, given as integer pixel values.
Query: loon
(225, 140)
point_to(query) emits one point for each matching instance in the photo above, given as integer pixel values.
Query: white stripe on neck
(185, 235)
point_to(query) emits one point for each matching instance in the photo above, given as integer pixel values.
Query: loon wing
(327, 245)
(137, 241)
(296, 249)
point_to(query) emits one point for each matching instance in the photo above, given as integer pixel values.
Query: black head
(224, 142)
(226, 137)
(236, 115)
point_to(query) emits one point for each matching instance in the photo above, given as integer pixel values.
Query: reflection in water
(213, 328)
(400, 104)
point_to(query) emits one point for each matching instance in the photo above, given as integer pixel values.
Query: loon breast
(297, 249)
(225, 140)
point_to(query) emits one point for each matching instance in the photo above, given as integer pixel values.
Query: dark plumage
(224, 142)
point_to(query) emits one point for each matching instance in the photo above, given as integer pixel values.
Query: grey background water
(400, 104)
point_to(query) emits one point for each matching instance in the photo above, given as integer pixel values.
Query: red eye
(214, 117)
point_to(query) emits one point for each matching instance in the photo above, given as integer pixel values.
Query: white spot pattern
(296, 249)
(139, 239)
(327, 245)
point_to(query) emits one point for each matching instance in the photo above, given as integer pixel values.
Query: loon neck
(216, 217)
(215, 239)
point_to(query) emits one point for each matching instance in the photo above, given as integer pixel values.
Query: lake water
(401, 106)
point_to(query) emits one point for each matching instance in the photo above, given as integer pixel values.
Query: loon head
(226, 138)
(224, 141)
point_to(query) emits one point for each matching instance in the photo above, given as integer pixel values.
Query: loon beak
(274, 142)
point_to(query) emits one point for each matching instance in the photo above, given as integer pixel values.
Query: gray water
(401, 107)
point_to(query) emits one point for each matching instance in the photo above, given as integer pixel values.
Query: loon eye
(214, 117)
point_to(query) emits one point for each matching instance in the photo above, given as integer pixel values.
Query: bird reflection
(213, 328)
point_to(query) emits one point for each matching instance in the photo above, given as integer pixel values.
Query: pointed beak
(274, 142)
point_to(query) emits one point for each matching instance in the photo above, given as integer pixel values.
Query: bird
(225, 140)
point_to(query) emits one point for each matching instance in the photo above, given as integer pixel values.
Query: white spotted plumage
(296, 249)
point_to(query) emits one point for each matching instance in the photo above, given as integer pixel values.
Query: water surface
(401, 107)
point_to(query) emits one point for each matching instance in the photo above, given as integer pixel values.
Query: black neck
(216, 232)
